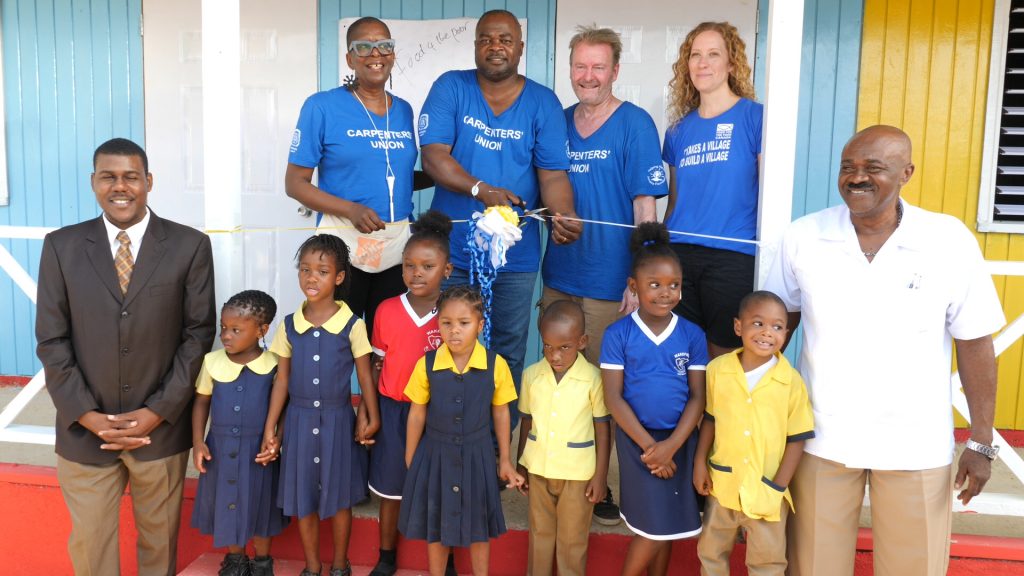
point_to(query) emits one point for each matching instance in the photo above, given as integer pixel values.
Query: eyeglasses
(364, 48)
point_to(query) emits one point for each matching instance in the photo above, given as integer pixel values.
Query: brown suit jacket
(101, 351)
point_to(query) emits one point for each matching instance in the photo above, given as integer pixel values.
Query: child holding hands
(564, 442)
(323, 470)
(237, 476)
(755, 424)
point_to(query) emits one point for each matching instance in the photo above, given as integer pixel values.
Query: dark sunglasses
(364, 48)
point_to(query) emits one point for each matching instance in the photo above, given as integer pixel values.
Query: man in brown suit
(125, 314)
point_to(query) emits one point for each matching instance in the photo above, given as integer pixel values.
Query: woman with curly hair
(713, 149)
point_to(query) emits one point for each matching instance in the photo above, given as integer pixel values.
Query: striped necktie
(124, 261)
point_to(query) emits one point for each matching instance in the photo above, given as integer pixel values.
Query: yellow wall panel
(924, 68)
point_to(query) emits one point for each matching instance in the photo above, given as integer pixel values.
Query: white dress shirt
(135, 234)
(878, 335)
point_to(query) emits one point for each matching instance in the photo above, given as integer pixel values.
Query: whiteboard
(424, 49)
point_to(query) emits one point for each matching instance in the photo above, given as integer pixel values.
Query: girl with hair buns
(406, 328)
(713, 150)
(652, 367)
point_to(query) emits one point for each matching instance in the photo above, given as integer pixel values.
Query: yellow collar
(444, 361)
(781, 372)
(222, 369)
(335, 324)
(573, 372)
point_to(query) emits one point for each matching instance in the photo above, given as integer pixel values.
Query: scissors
(535, 214)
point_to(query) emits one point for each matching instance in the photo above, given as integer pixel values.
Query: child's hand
(365, 427)
(701, 478)
(596, 489)
(269, 449)
(665, 472)
(200, 454)
(659, 455)
(525, 488)
(512, 478)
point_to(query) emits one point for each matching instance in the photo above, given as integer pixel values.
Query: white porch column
(222, 140)
(782, 101)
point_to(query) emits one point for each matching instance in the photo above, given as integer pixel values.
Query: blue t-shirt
(655, 383)
(335, 135)
(503, 151)
(608, 170)
(716, 176)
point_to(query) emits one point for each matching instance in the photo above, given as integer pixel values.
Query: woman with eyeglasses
(360, 140)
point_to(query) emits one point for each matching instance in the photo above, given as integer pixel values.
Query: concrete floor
(40, 411)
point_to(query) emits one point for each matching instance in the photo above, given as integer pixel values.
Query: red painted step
(34, 528)
(209, 563)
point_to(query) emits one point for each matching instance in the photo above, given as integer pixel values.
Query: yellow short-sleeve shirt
(218, 367)
(335, 324)
(752, 429)
(418, 389)
(560, 444)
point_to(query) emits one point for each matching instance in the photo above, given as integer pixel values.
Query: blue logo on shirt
(296, 139)
(656, 175)
(424, 122)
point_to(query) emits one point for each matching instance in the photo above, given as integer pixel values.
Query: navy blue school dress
(235, 499)
(451, 491)
(323, 469)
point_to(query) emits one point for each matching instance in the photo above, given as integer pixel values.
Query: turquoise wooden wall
(829, 72)
(72, 79)
(827, 117)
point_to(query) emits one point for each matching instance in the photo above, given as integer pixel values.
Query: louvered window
(1001, 201)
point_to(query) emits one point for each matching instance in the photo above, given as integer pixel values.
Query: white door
(278, 71)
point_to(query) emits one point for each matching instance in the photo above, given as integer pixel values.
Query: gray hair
(594, 35)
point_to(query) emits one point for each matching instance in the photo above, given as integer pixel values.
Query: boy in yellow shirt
(564, 442)
(755, 424)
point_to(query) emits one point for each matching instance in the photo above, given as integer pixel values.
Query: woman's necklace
(389, 174)
(899, 218)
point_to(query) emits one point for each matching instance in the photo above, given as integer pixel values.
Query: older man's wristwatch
(989, 452)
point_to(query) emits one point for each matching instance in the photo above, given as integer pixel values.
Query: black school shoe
(234, 565)
(387, 565)
(606, 512)
(261, 566)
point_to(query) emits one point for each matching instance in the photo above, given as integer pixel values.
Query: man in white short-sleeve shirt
(884, 289)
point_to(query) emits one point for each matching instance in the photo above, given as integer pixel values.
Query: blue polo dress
(235, 498)
(655, 383)
(323, 469)
(451, 494)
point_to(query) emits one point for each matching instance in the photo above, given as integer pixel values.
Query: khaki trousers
(93, 497)
(598, 314)
(559, 526)
(766, 541)
(911, 517)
